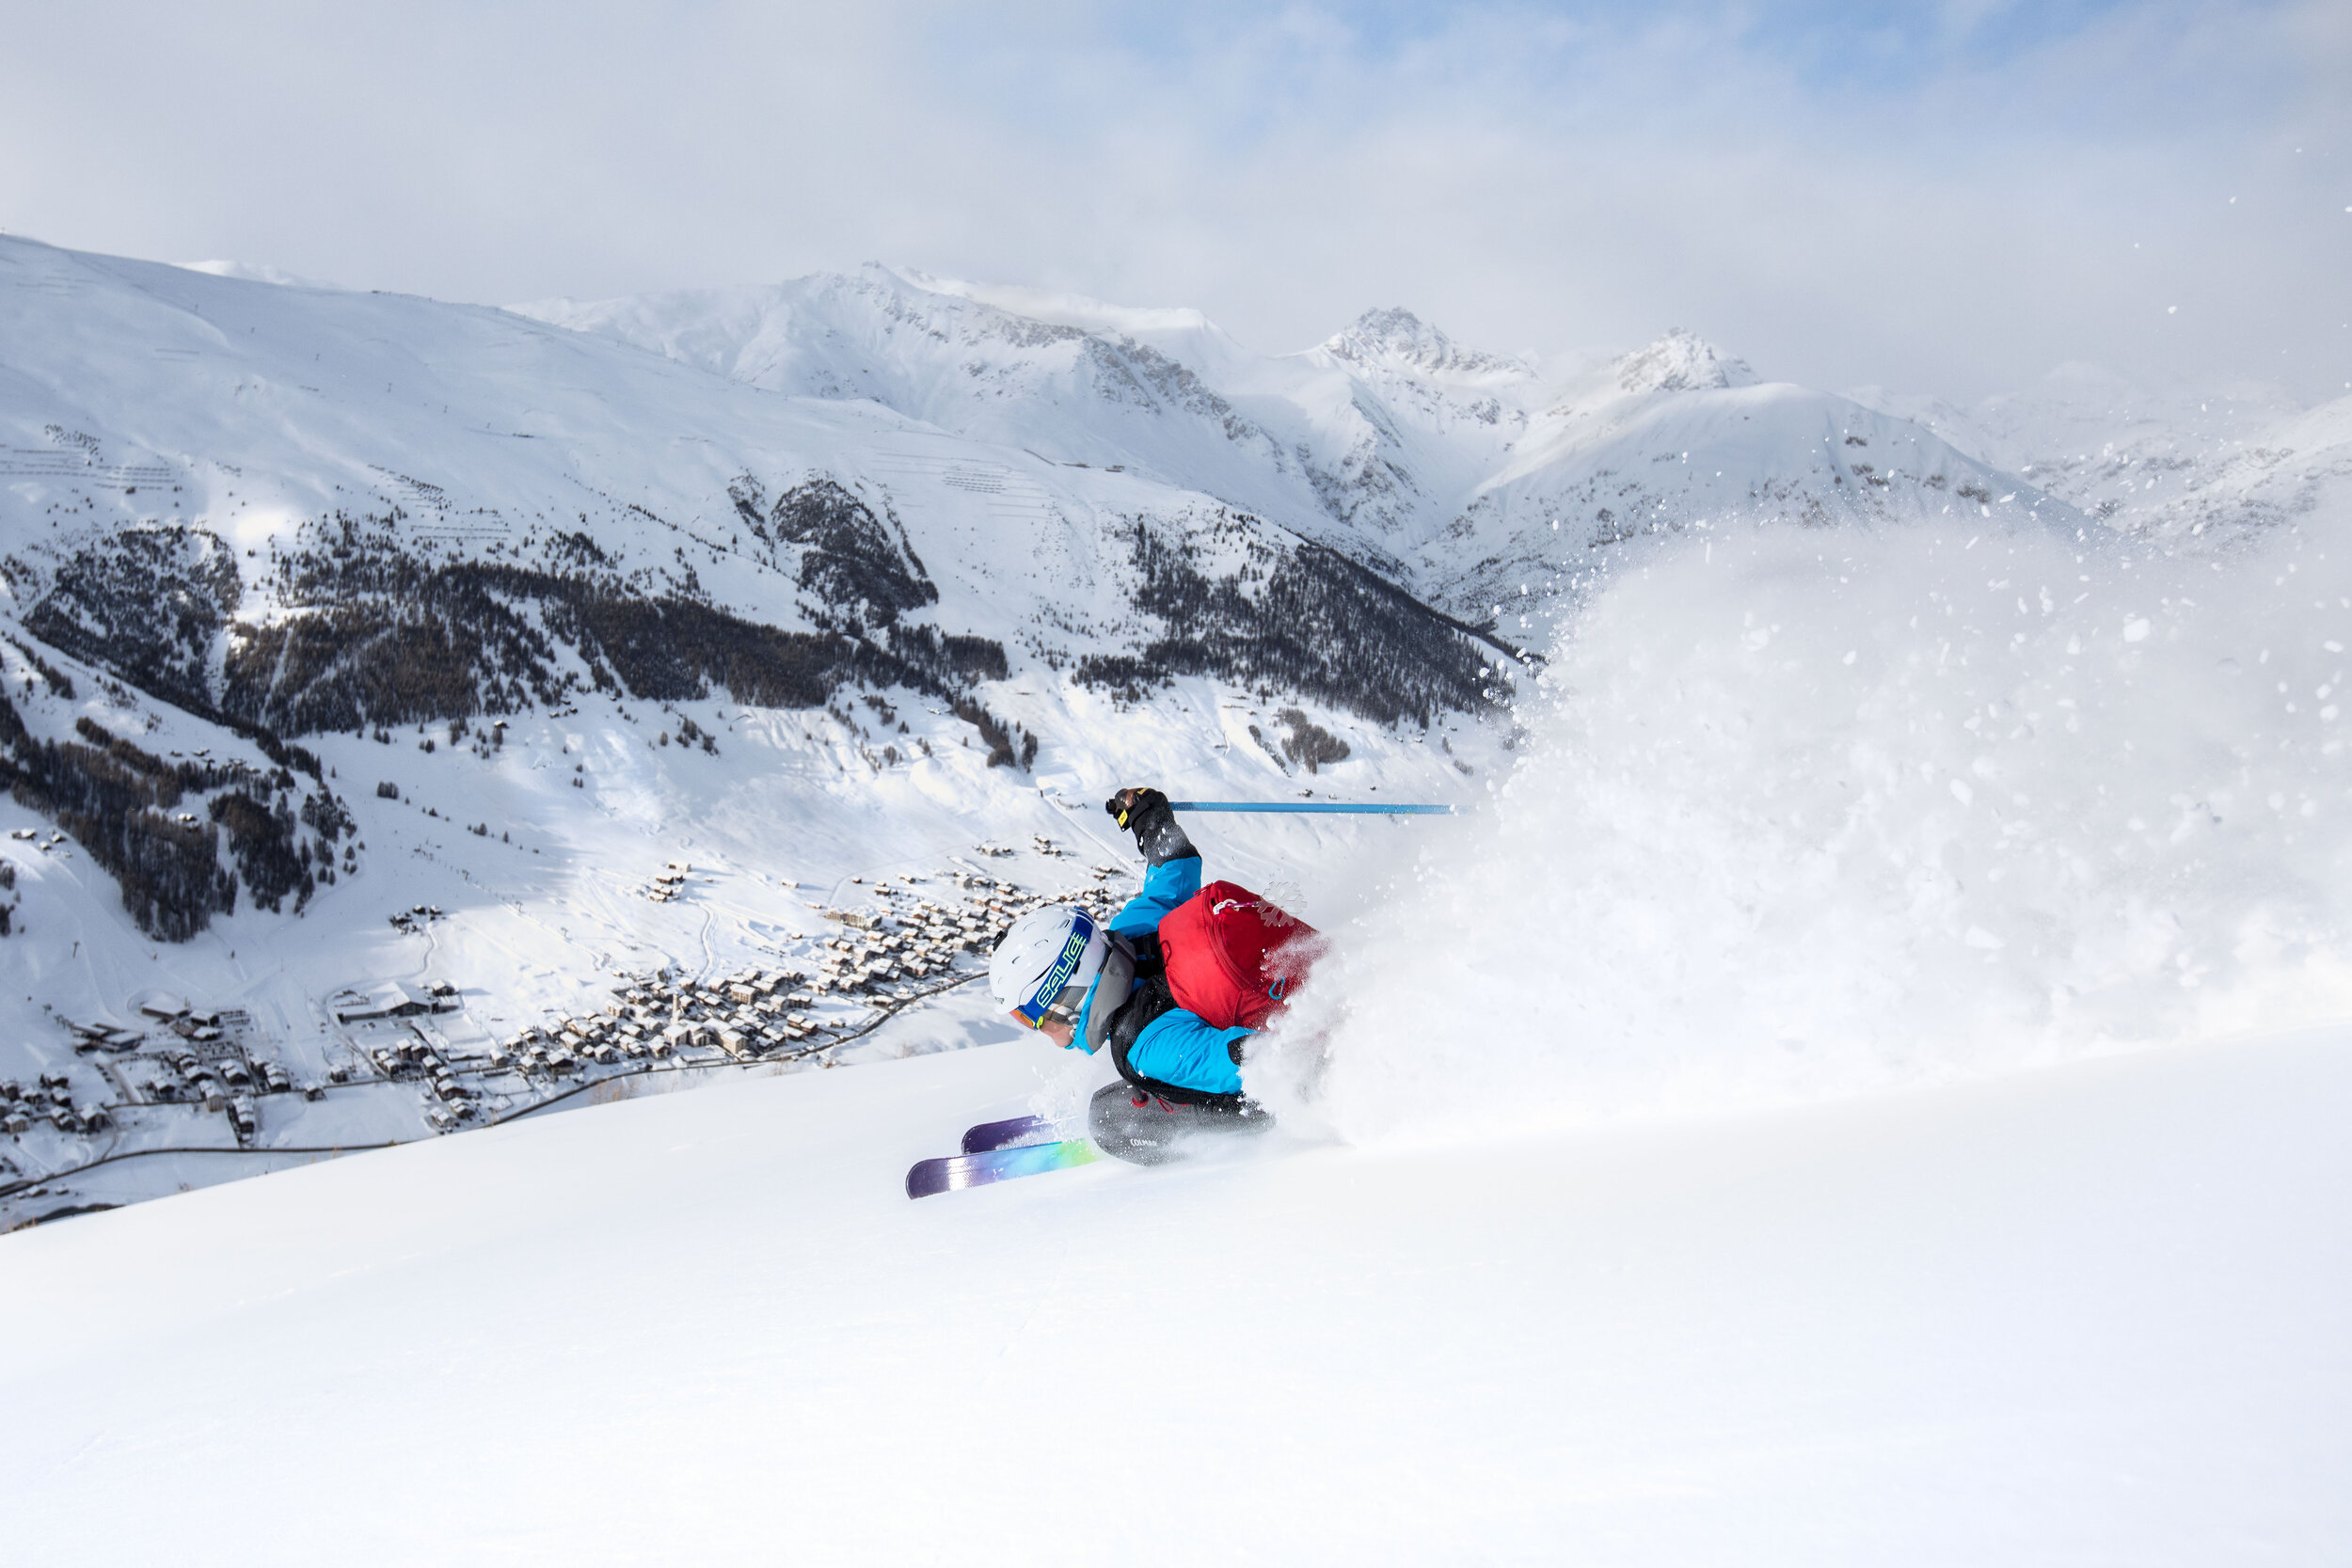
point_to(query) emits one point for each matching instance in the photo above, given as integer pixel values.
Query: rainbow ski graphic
(952, 1171)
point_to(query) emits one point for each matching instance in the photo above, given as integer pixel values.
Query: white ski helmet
(1047, 959)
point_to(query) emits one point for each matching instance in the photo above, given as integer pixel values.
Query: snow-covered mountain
(1462, 474)
(264, 542)
(432, 632)
(304, 429)
(2176, 463)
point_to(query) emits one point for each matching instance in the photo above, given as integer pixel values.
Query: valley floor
(2088, 1315)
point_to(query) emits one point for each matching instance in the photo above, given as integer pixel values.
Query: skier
(1181, 978)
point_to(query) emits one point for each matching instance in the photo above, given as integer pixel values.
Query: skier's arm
(1179, 1047)
(1164, 888)
(1174, 873)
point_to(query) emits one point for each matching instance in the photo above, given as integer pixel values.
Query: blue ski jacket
(1176, 1047)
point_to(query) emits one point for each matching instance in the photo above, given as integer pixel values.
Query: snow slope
(2088, 1315)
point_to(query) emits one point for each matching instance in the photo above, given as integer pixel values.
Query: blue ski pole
(1310, 806)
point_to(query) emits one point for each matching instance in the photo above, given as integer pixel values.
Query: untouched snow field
(2092, 1314)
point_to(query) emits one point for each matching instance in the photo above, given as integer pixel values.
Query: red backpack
(1232, 959)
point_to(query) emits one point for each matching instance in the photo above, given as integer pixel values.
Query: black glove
(1129, 804)
(1147, 814)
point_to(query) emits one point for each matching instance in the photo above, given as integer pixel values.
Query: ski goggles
(1062, 1008)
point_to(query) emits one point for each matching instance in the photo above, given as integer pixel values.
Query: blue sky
(1948, 197)
(1828, 43)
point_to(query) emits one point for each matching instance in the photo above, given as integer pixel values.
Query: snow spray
(1805, 814)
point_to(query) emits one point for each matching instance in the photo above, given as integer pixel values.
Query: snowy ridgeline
(352, 641)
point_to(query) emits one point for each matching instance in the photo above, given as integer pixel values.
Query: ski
(1008, 1134)
(950, 1172)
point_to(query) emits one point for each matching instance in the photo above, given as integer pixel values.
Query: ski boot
(1147, 1129)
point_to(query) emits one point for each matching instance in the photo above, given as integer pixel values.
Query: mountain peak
(1681, 362)
(1398, 337)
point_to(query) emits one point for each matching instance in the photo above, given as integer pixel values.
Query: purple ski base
(1008, 1134)
(948, 1174)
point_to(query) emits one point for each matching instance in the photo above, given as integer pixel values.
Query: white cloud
(1837, 205)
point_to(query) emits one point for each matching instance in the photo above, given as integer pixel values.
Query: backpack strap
(1149, 960)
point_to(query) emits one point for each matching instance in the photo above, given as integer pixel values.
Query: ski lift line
(1318, 806)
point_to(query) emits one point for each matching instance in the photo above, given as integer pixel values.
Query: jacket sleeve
(1179, 1047)
(1165, 886)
